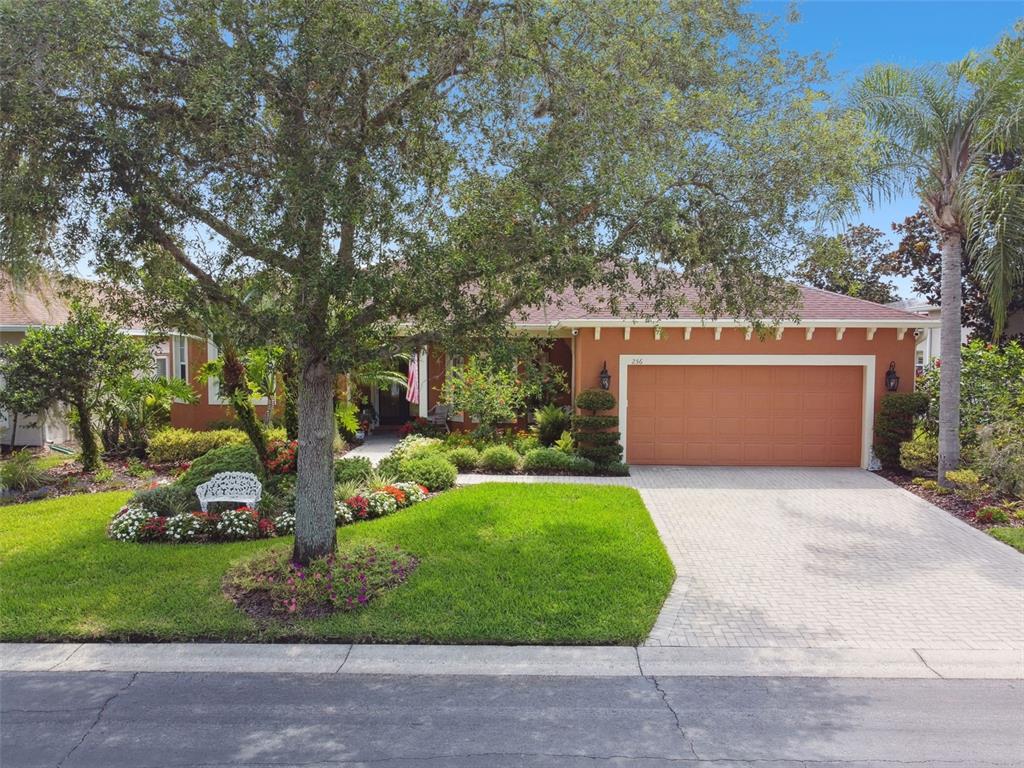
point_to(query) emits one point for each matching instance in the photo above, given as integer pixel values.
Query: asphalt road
(110, 720)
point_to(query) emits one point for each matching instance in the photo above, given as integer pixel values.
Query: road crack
(653, 680)
(99, 716)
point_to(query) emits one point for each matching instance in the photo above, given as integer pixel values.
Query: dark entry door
(393, 408)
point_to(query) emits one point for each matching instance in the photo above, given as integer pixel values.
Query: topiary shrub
(175, 445)
(499, 458)
(465, 458)
(595, 400)
(616, 469)
(541, 460)
(227, 458)
(595, 440)
(436, 473)
(355, 468)
(894, 424)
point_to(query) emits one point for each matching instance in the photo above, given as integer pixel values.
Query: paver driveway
(825, 558)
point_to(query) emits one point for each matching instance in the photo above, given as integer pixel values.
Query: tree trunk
(14, 429)
(315, 533)
(86, 436)
(949, 357)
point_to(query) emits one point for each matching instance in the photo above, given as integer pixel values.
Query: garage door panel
(745, 415)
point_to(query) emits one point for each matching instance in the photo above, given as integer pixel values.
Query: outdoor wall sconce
(605, 377)
(892, 381)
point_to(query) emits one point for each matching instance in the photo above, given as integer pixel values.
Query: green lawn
(500, 563)
(1012, 536)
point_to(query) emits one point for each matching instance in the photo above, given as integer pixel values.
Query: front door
(392, 405)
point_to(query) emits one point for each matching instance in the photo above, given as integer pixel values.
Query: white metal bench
(243, 487)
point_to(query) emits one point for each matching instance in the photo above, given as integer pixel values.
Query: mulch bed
(951, 502)
(68, 479)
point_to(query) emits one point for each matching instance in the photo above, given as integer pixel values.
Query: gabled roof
(590, 307)
(40, 303)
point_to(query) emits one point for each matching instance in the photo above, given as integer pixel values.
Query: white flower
(128, 522)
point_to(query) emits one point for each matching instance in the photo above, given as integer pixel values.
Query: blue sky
(859, 33)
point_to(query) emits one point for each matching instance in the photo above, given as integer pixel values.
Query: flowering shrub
(281, 457)
(401, 499)
(415, 446)
(342, 582)
(127, 524)
(414, 493)
(184, 527)
(358, 508)
(241, 523)
(284, 523)
(154, 529)
(381, 503)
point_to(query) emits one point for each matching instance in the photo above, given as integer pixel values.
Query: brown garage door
(744, 415)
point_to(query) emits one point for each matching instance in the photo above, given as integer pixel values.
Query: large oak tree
(423, 167)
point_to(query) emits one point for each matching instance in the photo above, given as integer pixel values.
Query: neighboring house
(712, 392)
(927, 338)
(176, 356)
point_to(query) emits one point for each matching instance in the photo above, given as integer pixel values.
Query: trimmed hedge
(894, 424)
(547, 460)
(176, 445)
(434, 472)
(465, 457)
(227, 458)
(582, 421)
(499, 458)
(595, 400)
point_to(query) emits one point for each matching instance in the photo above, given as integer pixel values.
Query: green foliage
(465, 458)
(21, 471)
(499, 458)
(920, 454)
(544, 460)
(176, 445)
(136, 407)
(991, 388)
(1001, 456)
(580, 466)
(166, 500)
(228, 458)
(585, 422)
(549, 423)
(616, 469)
(436, 473)
(565, 443)
(346, 416)
(103, 475)
(852, 263)
(968, 484)
(490, 392)
(992, 516)
(595, 400)
(84, 362)
(524, 442)
(894, 424)
(593, 440)
(354, 468)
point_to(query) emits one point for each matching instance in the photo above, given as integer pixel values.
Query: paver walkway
(376, 447)
(822, 558)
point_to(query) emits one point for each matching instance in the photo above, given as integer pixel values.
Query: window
(182, 357)
(161, 367)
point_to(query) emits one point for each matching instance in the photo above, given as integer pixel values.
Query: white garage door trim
(867, 362)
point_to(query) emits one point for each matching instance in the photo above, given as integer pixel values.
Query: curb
(501, 661)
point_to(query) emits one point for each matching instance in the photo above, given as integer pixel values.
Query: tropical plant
(135, 407)
(955, 135)
(83, 362)
(22, 471)
(549, 423)
(330, 173)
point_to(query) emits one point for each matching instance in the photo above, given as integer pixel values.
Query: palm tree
(939, 132)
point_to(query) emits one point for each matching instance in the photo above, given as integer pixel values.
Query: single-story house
(176, 356)
(695, 391)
